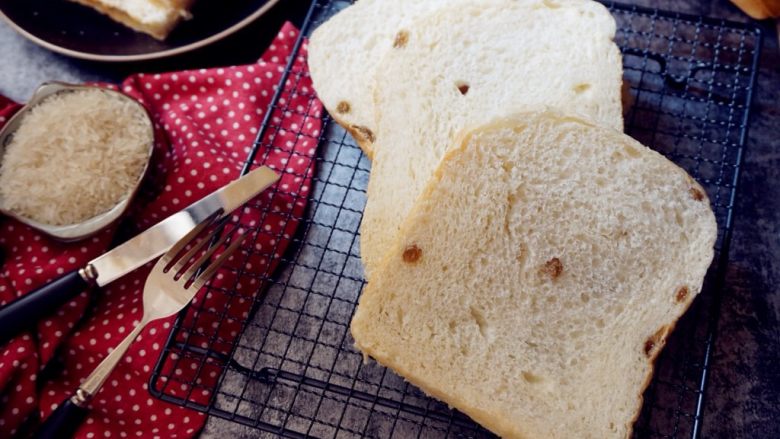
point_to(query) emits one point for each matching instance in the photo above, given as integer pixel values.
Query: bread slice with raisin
(467, 63)
(538, 276)
(344, 54)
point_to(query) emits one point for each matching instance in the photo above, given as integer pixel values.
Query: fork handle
(95, 380)
(64, 422)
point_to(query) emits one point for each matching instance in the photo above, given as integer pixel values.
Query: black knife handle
(27, 310)
(63, 423)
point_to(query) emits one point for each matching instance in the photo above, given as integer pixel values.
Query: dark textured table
(744, 390)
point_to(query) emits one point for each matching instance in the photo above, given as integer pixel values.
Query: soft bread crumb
(75, 155)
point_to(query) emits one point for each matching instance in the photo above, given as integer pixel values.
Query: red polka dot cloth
(206, 122)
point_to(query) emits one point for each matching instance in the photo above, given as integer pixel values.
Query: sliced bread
(465, 64)
(344, 53)
(538, 275)
(154, 17)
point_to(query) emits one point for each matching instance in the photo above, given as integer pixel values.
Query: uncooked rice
(75, 155)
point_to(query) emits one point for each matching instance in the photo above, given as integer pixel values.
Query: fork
(168, 289)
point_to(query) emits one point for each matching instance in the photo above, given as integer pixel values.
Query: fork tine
(197, 247)
(201, 260)
(212, 269)
(167, 258)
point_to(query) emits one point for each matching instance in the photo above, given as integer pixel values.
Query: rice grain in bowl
(77, 154)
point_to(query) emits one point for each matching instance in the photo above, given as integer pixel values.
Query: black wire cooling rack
(292, 371)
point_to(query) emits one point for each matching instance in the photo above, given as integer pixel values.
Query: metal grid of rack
(291, 369)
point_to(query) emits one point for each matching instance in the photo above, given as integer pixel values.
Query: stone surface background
(743, 398)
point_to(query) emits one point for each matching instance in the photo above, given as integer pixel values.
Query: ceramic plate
(79, 31)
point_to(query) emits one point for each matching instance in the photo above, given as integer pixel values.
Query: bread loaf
(467, 63)
(538, 275)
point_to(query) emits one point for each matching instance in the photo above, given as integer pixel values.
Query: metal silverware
(153, 242)
(171, 285)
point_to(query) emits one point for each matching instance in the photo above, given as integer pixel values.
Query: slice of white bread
(466, 64)
(154, 17)
(538, 275)
(344, 53)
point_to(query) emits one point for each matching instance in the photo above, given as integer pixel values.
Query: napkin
(206, 122)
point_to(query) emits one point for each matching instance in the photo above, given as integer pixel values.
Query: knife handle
(63, 423)
(27, 310)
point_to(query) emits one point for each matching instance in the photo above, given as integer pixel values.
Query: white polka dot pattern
(205, 121)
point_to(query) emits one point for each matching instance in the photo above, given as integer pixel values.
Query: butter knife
(27, 310)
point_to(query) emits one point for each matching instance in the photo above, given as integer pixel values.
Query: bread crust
(362, 143)
(665, 331)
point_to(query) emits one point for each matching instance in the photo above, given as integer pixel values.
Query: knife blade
(134, 253)
(159, 238)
